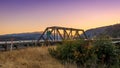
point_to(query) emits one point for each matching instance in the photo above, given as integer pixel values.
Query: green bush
(77, 51)
(100, 52)
(106, 51)
(63, 52)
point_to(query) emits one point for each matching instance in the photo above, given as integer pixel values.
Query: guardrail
(10, 45)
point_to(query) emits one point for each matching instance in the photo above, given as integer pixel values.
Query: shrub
(63, 52)
(78, 52)
(106, 51)
(100, 52)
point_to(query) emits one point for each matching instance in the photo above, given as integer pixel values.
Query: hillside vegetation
(37, 57)
(112, 31)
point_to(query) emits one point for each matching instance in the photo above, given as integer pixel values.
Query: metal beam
(63, 35)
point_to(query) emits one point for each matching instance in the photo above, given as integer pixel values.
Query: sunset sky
(17, 16)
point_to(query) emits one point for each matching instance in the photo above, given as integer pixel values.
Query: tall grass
(37, 57)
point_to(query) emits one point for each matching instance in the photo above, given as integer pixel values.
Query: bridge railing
(7, 45)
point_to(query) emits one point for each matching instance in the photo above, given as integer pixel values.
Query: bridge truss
(56, 33)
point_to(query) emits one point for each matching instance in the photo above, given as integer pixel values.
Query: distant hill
(20, 36)
(112, 30)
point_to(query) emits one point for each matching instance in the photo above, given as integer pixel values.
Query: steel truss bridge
(57, 34)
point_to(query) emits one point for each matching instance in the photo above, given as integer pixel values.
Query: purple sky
(18, 16)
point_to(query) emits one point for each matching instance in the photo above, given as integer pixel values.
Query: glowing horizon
(17, 16)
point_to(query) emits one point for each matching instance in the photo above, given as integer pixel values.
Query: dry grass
(37, 57)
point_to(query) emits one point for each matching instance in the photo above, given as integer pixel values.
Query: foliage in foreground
(95, 54)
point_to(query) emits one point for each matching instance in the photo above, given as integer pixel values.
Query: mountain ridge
(20, 36)
(111, 30)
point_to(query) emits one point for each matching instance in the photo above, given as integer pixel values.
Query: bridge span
(50, 35)
(56, 33)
